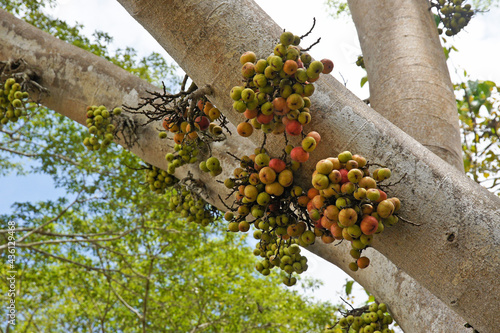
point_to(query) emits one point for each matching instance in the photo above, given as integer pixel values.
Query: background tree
(430, 171)
(110, 256)
(478, 109)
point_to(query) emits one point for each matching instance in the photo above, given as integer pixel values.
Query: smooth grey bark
(454, 253)
(408, 77)
(409, 82)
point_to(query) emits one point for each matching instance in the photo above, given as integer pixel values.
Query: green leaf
(437, 19)
(446, 52)
(472, 86)
(467, 165)
(348, 287)
(364, 80)
(484, 89)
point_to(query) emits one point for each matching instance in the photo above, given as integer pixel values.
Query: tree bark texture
(408, 77)
(71, 75)
(454, 253)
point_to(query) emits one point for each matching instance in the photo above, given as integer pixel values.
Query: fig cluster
(184, 153)
(373, 318)
(300, 154)
(188, 133)
(454, 15)
(186, 203)
(286, 255)
(346, 202)
(192, 207)
(212, 166)
(190, 127)
(360, 61)
(276, 90)
(101, 129)
(12, 101)
(159, 180)
(266, 198)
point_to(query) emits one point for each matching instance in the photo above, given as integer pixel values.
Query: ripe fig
(327, 66)
(248, 56)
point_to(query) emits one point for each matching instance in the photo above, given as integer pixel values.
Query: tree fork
(13, 46)
(207, 38)
(19, 39)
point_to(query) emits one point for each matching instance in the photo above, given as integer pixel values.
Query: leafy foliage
(478, 104)
(117, 260)
(338, 8)
(484, 5)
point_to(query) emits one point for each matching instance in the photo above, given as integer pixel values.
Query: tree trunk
(409, 82)
(408, 77)
(459, 235)
(414, 157)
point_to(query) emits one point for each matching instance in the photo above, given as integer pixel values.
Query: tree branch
(33, 155)
(61, 241)
(128, 306)
(72, 262)
(49, 221)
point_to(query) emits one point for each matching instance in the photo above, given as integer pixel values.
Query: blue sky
(26, 188)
